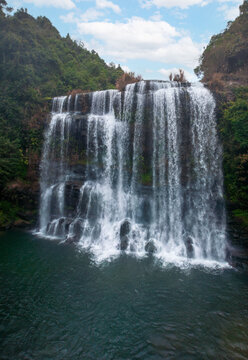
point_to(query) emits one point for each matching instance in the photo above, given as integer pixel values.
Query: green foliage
(12, 162)
(37, 64)
(3, 6)
(42, 63)
(234, 131)
(242, 215)
(145, 172)
(146, 178)
(244, 8)
(237, 117)
(8, 213)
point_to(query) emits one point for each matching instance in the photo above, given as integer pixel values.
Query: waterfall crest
(139, 171)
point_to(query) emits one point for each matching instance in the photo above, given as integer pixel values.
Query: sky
(149, 37)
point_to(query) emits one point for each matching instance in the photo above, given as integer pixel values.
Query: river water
(57, 303)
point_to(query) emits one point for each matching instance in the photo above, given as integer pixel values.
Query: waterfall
(137, 171)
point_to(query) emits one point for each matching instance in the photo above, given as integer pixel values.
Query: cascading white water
(141, 172)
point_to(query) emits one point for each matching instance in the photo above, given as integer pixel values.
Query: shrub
(127, 78)
(180, 77)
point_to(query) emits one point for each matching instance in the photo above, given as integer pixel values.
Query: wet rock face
(125, 229)
(77, 229)
(150, 247)
(71, 240)
(237, 257)
(67, 224)
(116, 163)
(237, 249)
(124, 241)
(189, 247)
(61, 224)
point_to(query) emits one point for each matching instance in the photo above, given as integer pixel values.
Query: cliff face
(135, 169)
(224, 67)
(224, 64)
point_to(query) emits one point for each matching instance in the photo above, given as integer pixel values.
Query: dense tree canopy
(36, 64)
(234, 130)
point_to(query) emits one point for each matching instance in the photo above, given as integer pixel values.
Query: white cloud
(230, 11)
(91, 14)
(64, 4)
(183, 4)
(231, 1)
(179, 14)
(166, 73)
(156, 16)
(103, 4)
(68, 18)
(125, 68)
(138, 38)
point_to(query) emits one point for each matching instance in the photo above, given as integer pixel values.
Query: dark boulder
(189, 247)
(21, 223)
(60, 227)
(71, 240)
(150, 247)
(77, 229)
(67, 224)
(237, 257)
(125, 228)
(124, 241)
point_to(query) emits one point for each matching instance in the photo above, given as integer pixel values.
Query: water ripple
(56, 304)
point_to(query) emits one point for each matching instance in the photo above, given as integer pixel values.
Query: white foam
(187, 230)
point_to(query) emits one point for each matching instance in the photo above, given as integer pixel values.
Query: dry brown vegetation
(180, 77)
(78, 91)
(216, 82)
(127, 78)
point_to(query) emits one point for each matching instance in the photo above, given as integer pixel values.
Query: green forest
(36, 64)
(234, 131)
